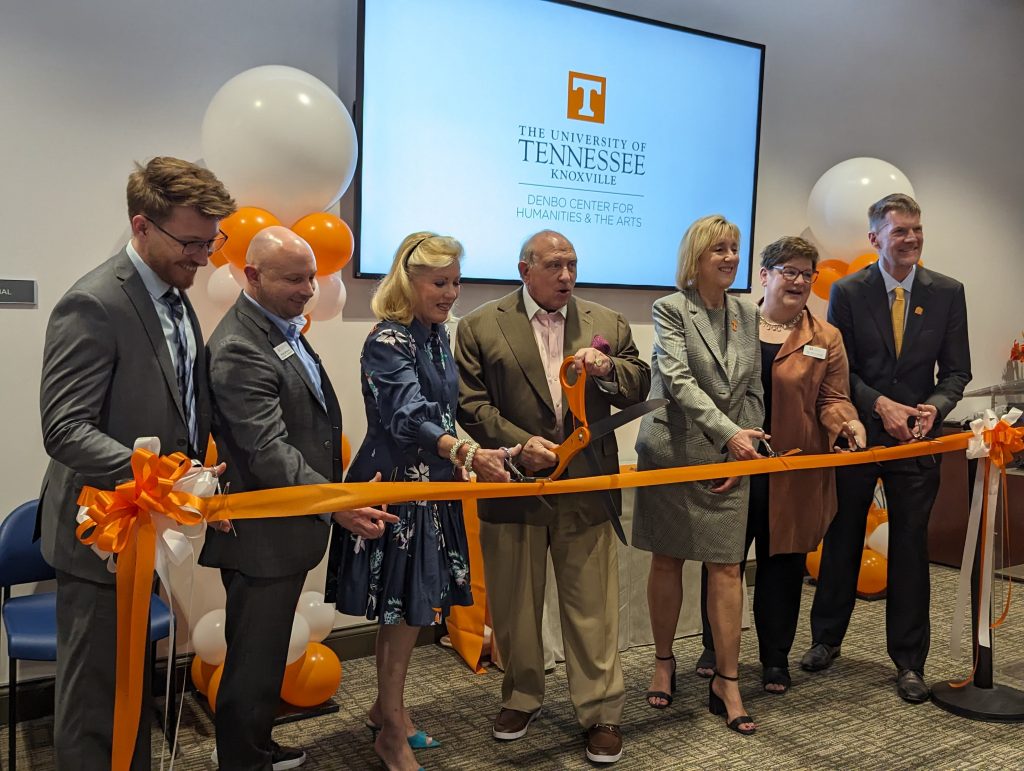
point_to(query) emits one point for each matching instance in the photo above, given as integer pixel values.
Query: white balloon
(222, 287)
(332, 297)
(318, 613)
(208, 639)
(879, 539)
(837, 209)
(280, 139)
(239, 275)
(299, 639)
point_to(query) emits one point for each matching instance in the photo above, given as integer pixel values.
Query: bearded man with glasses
(123, 358)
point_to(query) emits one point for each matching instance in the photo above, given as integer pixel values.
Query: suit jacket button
(327, 444)
(895, 380)
(181, 442)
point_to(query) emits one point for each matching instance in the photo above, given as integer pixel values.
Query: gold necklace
(773, 326)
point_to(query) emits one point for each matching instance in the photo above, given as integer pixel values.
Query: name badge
(814, 351)
(284, 350)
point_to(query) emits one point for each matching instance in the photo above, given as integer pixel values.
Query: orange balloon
(331, 239)
(872, 577)
(868, 258)
(814, 562)
(346, 452)
(218, 259)
(201, 674)
(829, 271)
(873, 521)
(308, 324)
(313, 679)
(240, 227)
(214, 686)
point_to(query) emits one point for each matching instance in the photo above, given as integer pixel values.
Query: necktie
(183, 365)
(898, 316)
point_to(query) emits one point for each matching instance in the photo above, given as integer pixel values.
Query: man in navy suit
(905, 331)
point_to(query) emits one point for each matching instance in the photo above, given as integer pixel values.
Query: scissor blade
(609, 502)
(622, 417)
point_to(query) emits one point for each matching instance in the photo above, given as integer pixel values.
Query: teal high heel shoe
(420, 740)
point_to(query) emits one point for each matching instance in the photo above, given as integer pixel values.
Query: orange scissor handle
(576, 397)
(575, 393)
(569, 449)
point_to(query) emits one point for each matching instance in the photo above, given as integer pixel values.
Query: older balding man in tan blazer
(509, 352)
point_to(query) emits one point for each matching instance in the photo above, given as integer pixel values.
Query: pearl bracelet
(453, 454)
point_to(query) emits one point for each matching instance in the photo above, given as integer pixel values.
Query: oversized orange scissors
(579, 440)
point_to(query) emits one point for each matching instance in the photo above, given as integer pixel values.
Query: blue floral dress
(419, 568)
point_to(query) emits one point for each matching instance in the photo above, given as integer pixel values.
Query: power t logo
(586, 97)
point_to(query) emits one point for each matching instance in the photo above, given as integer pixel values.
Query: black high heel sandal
(716, 706)
(672, 686)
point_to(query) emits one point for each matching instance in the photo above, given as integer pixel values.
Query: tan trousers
(586, 566)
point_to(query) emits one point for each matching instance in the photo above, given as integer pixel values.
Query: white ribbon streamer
(978, 448)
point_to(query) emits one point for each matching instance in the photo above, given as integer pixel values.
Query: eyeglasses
(791, 274)
(195, 248)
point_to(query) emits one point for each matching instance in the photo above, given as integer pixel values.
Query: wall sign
(16, 291)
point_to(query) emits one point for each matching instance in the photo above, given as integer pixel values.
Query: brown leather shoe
(604, 743)
(511, 724)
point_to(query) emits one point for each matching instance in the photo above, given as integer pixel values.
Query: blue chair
(31, 621)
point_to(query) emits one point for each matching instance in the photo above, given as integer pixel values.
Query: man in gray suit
(277, 423)
(123, 358)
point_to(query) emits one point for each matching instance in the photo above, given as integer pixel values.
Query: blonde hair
(165, 182)
(701, 236)
(393, 300)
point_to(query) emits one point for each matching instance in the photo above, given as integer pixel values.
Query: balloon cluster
(837, 213)
(313, 672)
(872, 578)
(284, 144)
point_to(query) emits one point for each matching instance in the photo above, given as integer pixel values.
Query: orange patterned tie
(898, 316)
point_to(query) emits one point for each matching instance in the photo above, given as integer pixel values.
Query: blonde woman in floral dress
(419, 568)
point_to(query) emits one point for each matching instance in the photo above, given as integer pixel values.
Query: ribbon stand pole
(981, 698)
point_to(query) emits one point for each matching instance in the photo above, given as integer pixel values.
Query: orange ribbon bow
(121, 522)
(1003, 441)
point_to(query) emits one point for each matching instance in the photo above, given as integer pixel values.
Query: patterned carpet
(848, 717)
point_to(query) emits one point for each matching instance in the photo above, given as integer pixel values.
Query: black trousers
(258, 625)
(910, 489)
(777, 588)
(83, 721)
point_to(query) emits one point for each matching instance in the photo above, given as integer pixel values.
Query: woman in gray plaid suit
(707, 363)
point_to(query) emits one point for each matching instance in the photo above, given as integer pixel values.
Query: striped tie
(899, 313)
(183, 365)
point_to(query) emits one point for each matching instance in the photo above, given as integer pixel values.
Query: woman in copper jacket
(805, 374)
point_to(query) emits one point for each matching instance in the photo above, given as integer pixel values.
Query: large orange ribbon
(120, 522)
(1003, 440)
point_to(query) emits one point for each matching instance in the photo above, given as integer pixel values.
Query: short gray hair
(895, 202)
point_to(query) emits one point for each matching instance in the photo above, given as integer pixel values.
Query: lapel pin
(918, 310)
(734, 326)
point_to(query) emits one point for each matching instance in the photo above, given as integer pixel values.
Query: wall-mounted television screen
(491, 120)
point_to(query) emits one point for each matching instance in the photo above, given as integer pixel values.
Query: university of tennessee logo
(586, 97)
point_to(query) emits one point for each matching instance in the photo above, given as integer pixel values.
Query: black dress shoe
(911, 688)
(820, 656)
